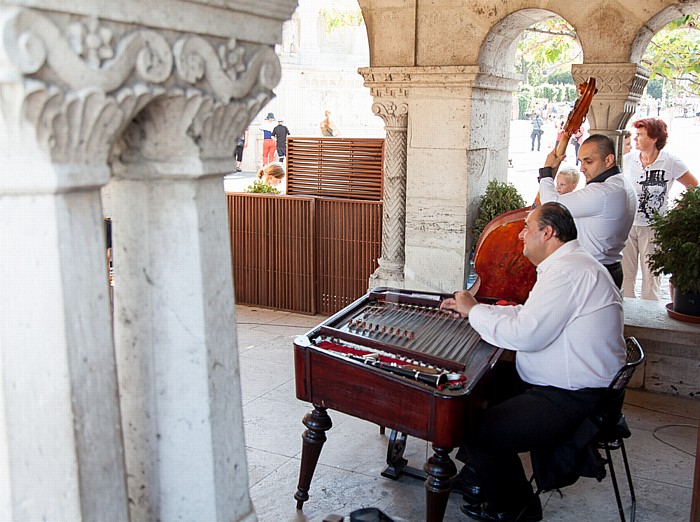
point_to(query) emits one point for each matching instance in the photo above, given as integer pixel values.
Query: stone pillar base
(388, 274)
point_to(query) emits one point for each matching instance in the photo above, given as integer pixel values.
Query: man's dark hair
(559, 218)
(603, 144)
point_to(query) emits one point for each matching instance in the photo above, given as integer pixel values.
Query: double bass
(504, 272)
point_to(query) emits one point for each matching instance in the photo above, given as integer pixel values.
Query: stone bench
(672, 349)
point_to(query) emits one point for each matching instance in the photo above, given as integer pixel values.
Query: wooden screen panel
(272, 249)
(348, 246)
(351, 168)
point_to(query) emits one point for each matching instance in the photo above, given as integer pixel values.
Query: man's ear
(548, 232)
(610, 160)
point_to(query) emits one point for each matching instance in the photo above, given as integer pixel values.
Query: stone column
(174, 318)
(84, 98)
(456, 141)
(620, 87)
(390, 105)
(61, 451)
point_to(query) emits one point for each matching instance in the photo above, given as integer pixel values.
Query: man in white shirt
(604, 209)
(569, 344)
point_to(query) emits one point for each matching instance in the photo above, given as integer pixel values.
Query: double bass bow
(504, 272)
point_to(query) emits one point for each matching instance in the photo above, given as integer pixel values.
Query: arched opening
(498, 57)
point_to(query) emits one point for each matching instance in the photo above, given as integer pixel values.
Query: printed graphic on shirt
(653, 194)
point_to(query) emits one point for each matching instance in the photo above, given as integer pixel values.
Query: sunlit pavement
(661, 449)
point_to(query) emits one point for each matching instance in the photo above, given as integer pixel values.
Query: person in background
(566, 180)
(268, 152)
(328, 128)
(241, 144)
(273, 176)
(604, 208)
(537, 131)
(626, 142)
(560, 133)
(568, 343)
(280, 132)
(576, 140)
(652, 171)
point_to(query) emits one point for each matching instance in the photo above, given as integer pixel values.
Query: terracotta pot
(687, 303)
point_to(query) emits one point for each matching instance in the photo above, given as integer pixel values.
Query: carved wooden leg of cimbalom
(440, 469)
(317, 423)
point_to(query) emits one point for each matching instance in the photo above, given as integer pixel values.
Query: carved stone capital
(55, 141)
(183, 133)
(225, 70)
(397, 81)
(100, 54)
(395, 115)
(81, 55)
(620, 87)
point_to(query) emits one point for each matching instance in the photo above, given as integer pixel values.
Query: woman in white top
(652, 171)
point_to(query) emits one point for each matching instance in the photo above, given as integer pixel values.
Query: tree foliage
(561, 77)
(334, 18)
(547, 47)
(673, 54)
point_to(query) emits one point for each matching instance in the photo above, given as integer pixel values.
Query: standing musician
(568, 343)
(604, 209)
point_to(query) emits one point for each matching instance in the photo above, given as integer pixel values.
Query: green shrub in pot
(677, 238)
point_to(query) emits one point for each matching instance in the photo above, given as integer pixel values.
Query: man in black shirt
(280, 133)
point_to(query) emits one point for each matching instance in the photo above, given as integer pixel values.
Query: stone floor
(661, 449)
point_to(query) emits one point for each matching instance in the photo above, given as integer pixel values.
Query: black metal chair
(605, 429)
(613, 427)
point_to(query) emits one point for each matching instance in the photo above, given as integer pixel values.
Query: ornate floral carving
(185, 126)
(92, 42)
(217, 126)
(395, 115)
(613, 78)
(620, 87)
(231, 56)
(31, 41)
(79, 128)
(196, 60)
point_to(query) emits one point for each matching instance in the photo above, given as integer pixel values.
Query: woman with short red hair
(652, 171)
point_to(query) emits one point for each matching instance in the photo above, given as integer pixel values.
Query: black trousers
(520, 418)
(615, 270)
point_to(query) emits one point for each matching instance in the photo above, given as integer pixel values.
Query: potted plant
(677, 238)
(499, 198)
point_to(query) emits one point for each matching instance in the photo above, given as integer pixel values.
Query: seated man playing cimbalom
(568, 343)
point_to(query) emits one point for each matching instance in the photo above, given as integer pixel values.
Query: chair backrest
(610, 406)
(635, 357)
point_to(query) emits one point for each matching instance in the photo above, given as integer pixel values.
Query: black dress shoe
(532, 512)
(471, 493)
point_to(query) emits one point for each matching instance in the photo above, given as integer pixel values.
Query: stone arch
(656, 23)
(497, 53)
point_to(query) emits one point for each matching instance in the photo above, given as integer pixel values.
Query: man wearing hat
(280, 133)
(268, 154)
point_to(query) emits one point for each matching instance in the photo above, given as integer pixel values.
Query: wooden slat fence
(348, 244)
(313, 250)
(349, 168)
(272, 250)
(302, 254)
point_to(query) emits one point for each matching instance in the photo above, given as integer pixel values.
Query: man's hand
(459, 305)
(553, 160)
